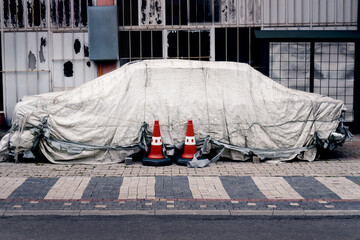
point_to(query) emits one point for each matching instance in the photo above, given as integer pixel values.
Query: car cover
(236, 111)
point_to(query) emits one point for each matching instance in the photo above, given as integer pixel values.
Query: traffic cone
(189, 147)
(156, 158)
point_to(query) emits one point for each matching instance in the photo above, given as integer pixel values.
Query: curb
(305, 213)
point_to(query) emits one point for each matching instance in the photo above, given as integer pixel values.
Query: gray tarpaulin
(244, 112)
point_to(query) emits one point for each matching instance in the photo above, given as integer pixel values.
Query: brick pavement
(330, 185)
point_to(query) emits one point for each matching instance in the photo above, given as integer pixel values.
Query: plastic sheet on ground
(244, 112)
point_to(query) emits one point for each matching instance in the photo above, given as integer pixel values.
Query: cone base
(156, 162)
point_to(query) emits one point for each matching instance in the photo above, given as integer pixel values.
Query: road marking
(342, 186)
(68, 188)
(276, 188)
(8, 185)
(207, 188)
(137, 188)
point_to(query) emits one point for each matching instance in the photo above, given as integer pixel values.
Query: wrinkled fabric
(102, 121)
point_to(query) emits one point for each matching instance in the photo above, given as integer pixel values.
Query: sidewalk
(330, 186)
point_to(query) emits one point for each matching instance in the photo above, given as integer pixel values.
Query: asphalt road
(179, 227)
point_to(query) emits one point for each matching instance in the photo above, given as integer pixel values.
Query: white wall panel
(10, 80)
(69, 49)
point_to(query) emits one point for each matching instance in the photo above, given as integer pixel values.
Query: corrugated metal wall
(44, 48)
(26, 66)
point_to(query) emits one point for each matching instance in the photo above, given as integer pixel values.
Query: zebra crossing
(180, 187)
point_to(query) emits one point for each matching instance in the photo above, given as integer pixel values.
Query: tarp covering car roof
(233, 106)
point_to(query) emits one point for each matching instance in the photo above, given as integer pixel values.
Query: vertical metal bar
(297, 64)
(329, 69)
(337, 69)
(311, 13)
(123, 12)
(212, 44)
(172, 12)
(286, 14)
(358, 18)
(165, 43)
(356, 99)
(179, 12)
(312, 65)
(188, 39)
(249, 31)
(335, 14)
(200, 57)
(130, 2)
(130, 52)
(50, 52)
(151, 45)
(288, 64)
(262, 14)
(188, 12)
(213, 14)
(351, 7)
(177, 44)
(226, 47)
(140, 40)
(237, 44)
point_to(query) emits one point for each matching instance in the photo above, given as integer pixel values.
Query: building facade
(309, 45)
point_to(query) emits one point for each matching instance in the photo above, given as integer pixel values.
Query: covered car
(235, 109)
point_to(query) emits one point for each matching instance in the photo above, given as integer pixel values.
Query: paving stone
(172, 187)
(103, 188)
(342, 186)
(310, 188)
(33, 188)
(241, 188)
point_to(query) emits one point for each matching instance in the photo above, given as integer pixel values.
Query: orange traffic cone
(156, 157)
(189, 147)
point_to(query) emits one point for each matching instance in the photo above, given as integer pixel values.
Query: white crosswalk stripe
(137, 188)
(342, 186)
(8, 185)
(276, 188)
(68, 188)
(207, 188)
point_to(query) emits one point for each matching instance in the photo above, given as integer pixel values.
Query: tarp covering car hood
(107, 119)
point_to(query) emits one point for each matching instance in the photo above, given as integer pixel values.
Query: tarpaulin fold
(107, 119)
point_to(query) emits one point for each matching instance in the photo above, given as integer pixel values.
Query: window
(290, 64)
(135, 45)
(333, 69)
(176, 12)
(236, 45)
(334, 72)
(128, 12)
(189, 44)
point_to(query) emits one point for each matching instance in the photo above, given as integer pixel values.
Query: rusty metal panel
(228, 11)
(152, 12)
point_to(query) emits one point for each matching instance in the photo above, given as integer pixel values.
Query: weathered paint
(228, 11)
(151, 12)
(68, 69)
(41, 52)
(6, 12)
(32, 61)
(77, 46)
(62, 53)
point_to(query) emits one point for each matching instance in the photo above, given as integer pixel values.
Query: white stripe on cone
(190, 140)
(156, 141)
